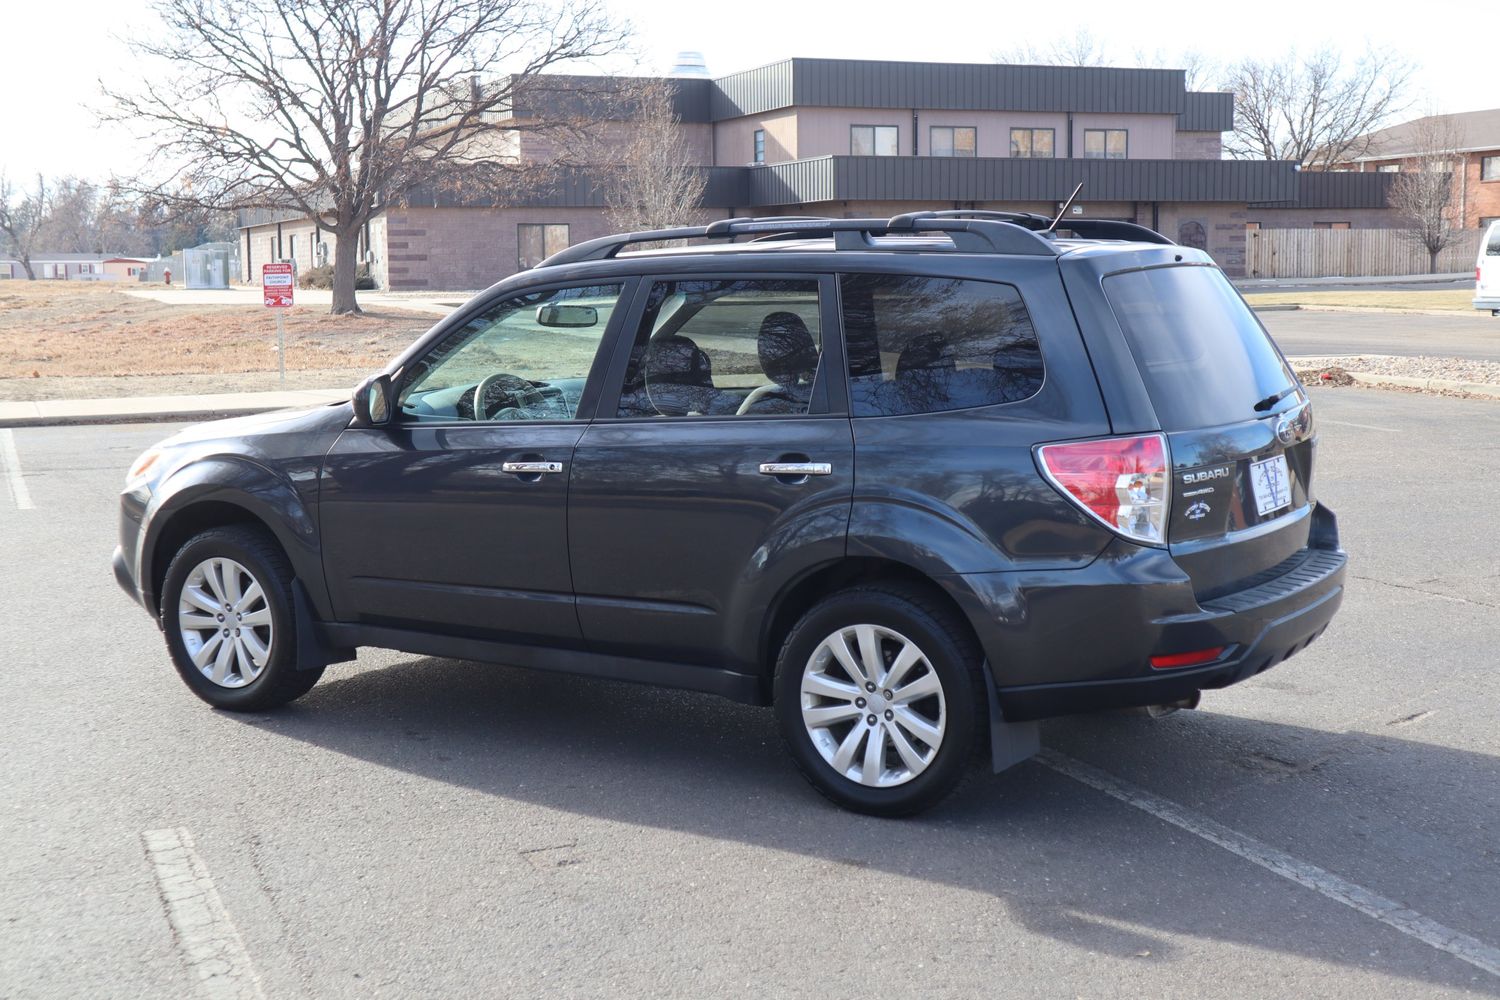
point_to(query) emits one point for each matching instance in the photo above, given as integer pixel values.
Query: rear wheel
(228, 620)
(880, 699)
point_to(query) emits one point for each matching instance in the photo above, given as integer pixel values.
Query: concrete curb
(158, 409)
(1475, 388)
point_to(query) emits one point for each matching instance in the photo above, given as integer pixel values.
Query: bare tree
(1422, 193)
(1078, 49)
(335, 108)
(1318, 110)
(656, 184)
(22, 218)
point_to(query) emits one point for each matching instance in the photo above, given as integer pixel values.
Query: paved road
(1310, 332)
(422, 827)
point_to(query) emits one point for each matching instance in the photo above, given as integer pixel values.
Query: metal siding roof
(863, 83)
(907, 178)
(1336, 189)
(1207, 112)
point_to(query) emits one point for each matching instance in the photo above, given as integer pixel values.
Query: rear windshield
(1203, 355)
(1492, 241)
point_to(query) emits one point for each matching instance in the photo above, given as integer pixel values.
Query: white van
(1487, 271)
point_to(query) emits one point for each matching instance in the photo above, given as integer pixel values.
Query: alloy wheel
(225, 622)
(873, 705)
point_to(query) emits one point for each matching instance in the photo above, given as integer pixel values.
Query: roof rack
(1089, 229)
(971, 230)
(968, 235)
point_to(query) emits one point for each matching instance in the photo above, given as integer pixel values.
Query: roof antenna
(1064, 211)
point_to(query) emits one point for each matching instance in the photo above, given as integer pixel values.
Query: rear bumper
(1085, 644)
(1487, 302)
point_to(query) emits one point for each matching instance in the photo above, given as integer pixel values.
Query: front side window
(1489, 168)
(760, 145)
(953, 140)
(725, 347)
(874, 140)
(922, 344)
(538, 241)
(1389, 168)
(525, 359)
(1105, 143)
(1038, 142)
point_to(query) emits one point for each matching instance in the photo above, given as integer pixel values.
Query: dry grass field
(79, 339)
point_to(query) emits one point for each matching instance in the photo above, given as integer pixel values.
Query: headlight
(142, 466)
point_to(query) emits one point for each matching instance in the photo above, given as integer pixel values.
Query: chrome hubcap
(225, 622)
(873, 705)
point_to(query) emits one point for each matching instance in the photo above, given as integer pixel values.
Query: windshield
(1203, 355)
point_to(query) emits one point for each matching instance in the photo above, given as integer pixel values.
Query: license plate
(1272, 484)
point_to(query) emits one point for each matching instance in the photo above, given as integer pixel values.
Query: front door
(455, 514)
(725, 465)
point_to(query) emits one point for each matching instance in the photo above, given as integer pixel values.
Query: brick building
(856, 138)
(1475, 136)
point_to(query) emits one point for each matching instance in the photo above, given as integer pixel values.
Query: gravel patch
(1421, 366)
(1336, 371)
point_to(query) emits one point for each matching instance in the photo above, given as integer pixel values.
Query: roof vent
(689, 66)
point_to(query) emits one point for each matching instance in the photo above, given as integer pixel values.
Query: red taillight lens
(1192, 659)
(1120, 481)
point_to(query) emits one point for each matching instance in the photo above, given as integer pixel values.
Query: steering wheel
(513, 386)
(759, 393)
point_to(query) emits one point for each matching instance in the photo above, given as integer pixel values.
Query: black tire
(279, 681)
(948, 646)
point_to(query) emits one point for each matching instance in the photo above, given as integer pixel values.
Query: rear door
(724, 462)
(1238, 424)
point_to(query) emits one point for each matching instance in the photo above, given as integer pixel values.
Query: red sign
(276, 283)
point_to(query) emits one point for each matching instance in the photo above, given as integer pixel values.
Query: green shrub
(322, 277)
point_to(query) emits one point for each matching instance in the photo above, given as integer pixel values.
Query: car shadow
(1065, 861)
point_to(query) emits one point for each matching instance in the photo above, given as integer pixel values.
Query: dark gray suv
(914, 482)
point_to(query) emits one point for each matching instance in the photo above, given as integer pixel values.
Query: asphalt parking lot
(1475, 336)
(422, 827)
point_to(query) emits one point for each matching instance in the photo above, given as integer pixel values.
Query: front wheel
(880, 699)
(226, 612)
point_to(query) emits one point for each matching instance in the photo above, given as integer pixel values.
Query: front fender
(272, 499)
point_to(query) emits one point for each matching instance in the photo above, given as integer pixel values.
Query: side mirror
(372, 401)
(566, 314)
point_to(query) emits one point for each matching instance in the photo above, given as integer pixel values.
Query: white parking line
(1368, 427)
(1371, 904)
(207, 938)
(10, 469)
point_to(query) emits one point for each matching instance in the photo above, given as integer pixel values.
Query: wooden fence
(1320, 253)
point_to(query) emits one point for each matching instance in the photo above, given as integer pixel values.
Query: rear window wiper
(1274, 398)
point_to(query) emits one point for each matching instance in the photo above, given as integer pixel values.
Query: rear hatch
(1238, 424)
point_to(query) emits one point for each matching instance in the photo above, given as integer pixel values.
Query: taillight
(1121, 481)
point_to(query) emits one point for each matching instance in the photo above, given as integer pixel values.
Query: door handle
(795, 469)
(531, 468)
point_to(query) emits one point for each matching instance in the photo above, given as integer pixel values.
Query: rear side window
(922, 344)
(1203, 355)
(1492, 241)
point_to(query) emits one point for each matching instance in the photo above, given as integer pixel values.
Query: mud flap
(312, 652)
(1010, 742)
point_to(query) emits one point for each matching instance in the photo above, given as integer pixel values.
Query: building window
(874, 140)
(291, 249)
(760, 145)
(538, 241)
(952, 140)
(1105, 143)
(1489, 168)
(1039, 142)
(1330, 225)
(1388, 168)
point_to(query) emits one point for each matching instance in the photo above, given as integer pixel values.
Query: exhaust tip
(1167, 708)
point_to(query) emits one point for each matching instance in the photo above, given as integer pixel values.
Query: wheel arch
(221, 493)
(801, 593)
